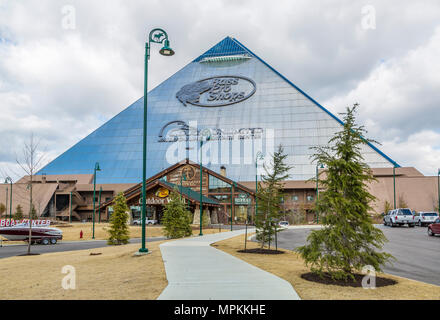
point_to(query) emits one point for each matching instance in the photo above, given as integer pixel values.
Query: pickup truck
(399, 217)
(147, 221)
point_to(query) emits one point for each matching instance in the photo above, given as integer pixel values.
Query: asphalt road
(15, 250)
(417, 254)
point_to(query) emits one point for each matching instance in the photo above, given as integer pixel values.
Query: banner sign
(243, 199)
(155, 201)
(11, 223)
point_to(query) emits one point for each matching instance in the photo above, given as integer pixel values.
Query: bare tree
(31, 161)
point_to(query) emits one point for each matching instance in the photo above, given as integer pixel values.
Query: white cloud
(420, 150)
(62, 84)
(399, 102)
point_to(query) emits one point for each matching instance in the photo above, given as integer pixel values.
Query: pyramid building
(227, 96)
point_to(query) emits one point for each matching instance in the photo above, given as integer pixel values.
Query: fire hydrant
(81, 234)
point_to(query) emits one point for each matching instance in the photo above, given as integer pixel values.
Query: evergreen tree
(402, 203)
(18, 215)
(270, 197)
(387, 207)
(34, 213)
(348, 240)
(119, 232)
(176, 218)
(2, 209)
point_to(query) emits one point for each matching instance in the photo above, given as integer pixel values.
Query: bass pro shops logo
(217, 91)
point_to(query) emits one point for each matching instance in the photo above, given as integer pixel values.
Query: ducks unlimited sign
(217, 91)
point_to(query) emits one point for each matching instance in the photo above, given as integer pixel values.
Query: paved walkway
(197, 271)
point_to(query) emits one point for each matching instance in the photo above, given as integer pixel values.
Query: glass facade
(218, 186)
(246, 105)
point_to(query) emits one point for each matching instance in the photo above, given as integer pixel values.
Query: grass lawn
(289, 266)
(115, 274)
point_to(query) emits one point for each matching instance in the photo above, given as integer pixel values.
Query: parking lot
(417, 254)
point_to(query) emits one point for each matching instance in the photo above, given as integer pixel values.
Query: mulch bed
(326, 279)
(261, 251)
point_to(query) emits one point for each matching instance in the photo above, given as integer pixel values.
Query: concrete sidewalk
(197, 271)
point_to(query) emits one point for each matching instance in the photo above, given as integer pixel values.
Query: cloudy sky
(68, 66)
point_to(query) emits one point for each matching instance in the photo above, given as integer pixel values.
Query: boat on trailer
(40, 234)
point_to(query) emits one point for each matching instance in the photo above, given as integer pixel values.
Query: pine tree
(402, 203)
(270, 197)
(34, 213)
(176, 218)
(119, 232)
(18, 215)
(387, 207)
(2, 209)
(348, 240)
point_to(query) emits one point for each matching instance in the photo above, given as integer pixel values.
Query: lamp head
(166, 50)
(97, 168)
(205, 133)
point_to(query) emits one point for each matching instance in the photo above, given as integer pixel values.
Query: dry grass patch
(114, 274)
(290, 266)
(71, 231)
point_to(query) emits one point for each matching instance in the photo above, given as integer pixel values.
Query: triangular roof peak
(184, 162)
(227, 47)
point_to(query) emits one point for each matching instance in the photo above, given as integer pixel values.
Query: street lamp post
(438, 188)
(97, 168)
(317, 190)
(394, 185)
(6, 200)
(10, 199)
(206, 133)
(259, 156)
(232, 203)
(99, 204)
(70, 207)
(182, 177)
(156, 35)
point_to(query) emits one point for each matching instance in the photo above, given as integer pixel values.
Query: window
(217, 185)
(405, 212)
(429, 214)
(310, 198)
(295, 198)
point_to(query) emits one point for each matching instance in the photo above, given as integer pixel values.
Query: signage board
(217, 91)
(11, 223)
(242, 199)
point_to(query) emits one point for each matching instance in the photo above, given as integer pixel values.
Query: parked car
(283, 223)
(434, 228)
(399, 217)
(426, 218)
(147, 221)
